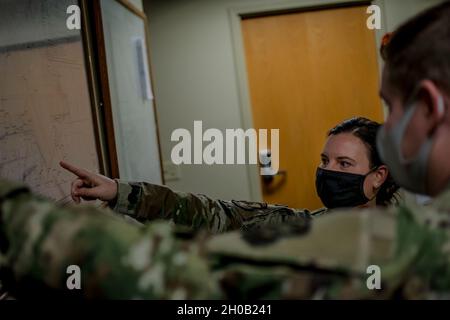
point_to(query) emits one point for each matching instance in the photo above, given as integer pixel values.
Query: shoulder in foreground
(319, 212)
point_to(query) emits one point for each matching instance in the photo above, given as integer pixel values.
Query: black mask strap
(371, 171)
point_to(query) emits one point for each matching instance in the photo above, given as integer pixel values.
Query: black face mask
(340, 189)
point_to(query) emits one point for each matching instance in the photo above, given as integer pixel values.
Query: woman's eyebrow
(346, 158)
(323, 155)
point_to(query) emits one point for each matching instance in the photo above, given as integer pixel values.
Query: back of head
(420, 49)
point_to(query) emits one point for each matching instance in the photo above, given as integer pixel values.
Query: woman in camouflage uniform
(350, 174)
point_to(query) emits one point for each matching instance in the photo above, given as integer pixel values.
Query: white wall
(195, 79)
(398, 11)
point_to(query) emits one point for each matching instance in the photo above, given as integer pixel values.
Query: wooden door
(308, 71)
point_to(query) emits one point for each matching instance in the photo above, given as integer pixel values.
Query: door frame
(237, 13)
(94, 42)
(104, 131)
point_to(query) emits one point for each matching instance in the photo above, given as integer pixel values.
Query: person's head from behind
(351, 173)
(415, 142)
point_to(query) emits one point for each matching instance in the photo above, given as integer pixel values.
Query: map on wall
(45, 116)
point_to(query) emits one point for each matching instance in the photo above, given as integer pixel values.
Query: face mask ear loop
(362, 186)
(411, 106)
(405, 122)
(403, 125)
(442, 107)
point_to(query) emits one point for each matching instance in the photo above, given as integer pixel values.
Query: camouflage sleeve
(371, 254)
(348, 255)
(116, 259)
(145, 201)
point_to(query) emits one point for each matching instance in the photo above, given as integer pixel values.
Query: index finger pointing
(75, 170)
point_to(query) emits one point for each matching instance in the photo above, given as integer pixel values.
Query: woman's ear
(381, 174)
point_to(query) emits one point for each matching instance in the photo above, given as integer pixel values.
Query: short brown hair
(420, 49)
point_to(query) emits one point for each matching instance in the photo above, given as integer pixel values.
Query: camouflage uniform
(328, 259)
(146, 202)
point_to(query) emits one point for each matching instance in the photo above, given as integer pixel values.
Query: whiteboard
(131, 97)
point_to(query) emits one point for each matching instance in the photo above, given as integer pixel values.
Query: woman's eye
(324, 162)
(345, 164)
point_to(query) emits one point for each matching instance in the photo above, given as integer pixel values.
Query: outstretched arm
(146, 201)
